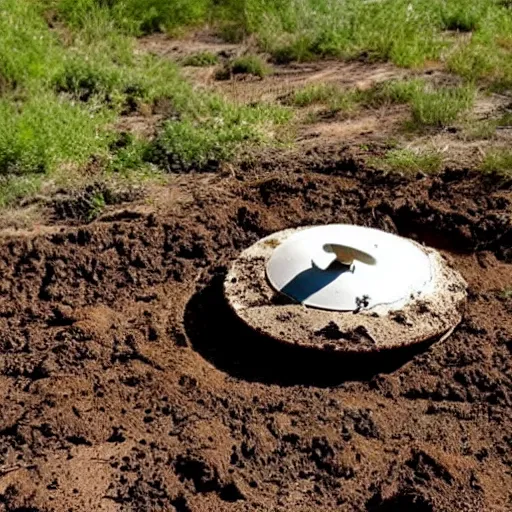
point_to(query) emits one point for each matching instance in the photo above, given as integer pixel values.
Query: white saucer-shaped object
(341, 267)
(352, 289)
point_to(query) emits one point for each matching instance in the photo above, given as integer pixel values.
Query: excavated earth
(126, 384)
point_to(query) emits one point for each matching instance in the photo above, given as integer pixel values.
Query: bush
(201, 59)
(195, 143)
(251, 65)
(47, 131)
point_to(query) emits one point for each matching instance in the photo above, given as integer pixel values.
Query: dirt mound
(126, 386)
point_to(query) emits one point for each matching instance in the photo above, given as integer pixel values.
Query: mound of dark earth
(125, 384)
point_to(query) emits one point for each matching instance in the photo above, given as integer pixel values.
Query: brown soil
(456, 144)
(127, 385)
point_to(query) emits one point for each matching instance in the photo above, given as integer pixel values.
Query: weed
(137, 17)
(406, 33)
(14, 188)
(251, 65)
(201, 59)
(60, 101)
(505, 120)
(440, 107)
(498, 162)
(84, 79)
(506, 293)
(462, 17)
(28, 51)
(406, 160)
(393, 92)
(335, 98)
(486, 55)
(47, 131)
(127, 154)
(97, 205)
(480, 130)
(194, 143)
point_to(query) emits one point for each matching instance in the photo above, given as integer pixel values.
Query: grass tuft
(393, 92)
(200, 59)
(506, 293)
(438, 108)
(250, 65)
(335, 98)
(430, 107)
(47, 131)
(198, 143)
(498, 162)
(408, 161)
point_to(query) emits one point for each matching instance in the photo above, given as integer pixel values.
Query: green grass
(430, 107)
(46, 131)
(98, 204)
(335, 98)
(251, 65)
(486, 129)
(193, 143)
(15, 188)
(394, 92)
(442, 106)
(200, 59)
(136, 17)
(408, 161)
(62, 90)
(244, 65)
(316, 93)
(59, 100)
(498, 162)
(29, 52)
(406, 33)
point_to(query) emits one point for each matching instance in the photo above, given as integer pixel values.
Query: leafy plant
(97, 205)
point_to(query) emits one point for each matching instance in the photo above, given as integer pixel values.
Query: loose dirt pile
(125, 384)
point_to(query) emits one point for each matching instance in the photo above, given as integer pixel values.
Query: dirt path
(458, 145)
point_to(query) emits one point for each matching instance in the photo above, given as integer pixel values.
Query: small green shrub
(194, 143)
(498, 162)
(97, 205)
(251, 65)
(85, 79)
(201, 59)
(46, 131)
(440, 107)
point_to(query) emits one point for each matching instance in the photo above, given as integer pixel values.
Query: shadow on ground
(221, 338)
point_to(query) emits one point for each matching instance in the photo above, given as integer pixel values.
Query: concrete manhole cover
(345, 288)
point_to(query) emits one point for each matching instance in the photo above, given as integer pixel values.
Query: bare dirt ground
(364, 127)
(126, 384)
